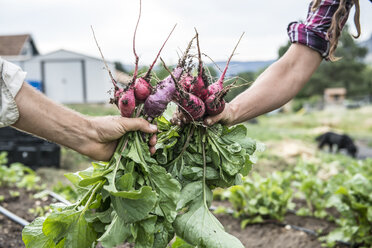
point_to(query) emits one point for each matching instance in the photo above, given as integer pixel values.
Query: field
(288, 200)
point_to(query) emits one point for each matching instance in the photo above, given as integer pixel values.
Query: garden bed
(274, 233)
(257, 235)
(10, 231)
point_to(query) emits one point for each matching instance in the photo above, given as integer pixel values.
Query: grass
(95, 109)
(291, 136)
(306, 126)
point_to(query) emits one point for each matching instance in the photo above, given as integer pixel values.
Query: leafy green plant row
(18, 175)
(346, 188)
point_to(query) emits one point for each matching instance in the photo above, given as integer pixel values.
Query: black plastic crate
(29, 150)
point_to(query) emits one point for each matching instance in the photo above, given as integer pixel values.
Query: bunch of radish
(194, 95)
(137, 91)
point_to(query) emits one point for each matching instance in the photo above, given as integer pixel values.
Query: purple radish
(142, 86)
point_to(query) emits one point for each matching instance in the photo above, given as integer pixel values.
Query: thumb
(210, 120)
(134, 124)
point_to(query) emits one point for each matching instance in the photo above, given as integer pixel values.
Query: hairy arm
(92, 136)
(278, 84)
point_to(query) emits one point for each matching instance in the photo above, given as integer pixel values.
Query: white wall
(98, 81)
(59, 63)
(64, 82)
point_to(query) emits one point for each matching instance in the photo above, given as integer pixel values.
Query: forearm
(42, 117)
(278, 84)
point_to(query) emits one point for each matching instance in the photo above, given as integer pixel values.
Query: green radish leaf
(144, 232)
(134, 205)
(104, 216)
(126, 182)
(189, 193)
(180, 243)
(238, 135)
(164, 233)
(196, 173)
(70, 225)
(116, 233)
(168, 190)
(80, 234)
(33, 236)
(199, 227)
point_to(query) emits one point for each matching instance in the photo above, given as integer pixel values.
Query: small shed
(17, 48)
(334, 96)
(70, 77)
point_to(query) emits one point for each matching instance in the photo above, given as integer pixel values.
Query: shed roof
(11, 45)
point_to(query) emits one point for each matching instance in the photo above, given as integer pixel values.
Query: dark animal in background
(342, 141)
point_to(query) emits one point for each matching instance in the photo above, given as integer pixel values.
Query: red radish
(186, 82)
(124, 97)
(217, 87)
(200, 85)
(127, 103)
(191, 104)
(215, 103)
(214, 106)
(142, 89)
(142, 86)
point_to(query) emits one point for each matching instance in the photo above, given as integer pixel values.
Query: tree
(244, 79)
(283, 49)
(119, 67)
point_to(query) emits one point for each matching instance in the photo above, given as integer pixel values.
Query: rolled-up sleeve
(11, 80)
(313, 32)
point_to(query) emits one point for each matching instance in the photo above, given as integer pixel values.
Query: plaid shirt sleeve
(313, 32)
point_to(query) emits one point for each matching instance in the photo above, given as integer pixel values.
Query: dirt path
(364, 151)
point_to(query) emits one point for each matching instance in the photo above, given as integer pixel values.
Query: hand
(225, 117)
(109, 129)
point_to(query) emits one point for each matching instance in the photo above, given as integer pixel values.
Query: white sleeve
(11, 80)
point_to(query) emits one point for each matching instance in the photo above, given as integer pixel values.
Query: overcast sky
(56, 24)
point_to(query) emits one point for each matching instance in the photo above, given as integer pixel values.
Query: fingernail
(153, 127)
(208, 121)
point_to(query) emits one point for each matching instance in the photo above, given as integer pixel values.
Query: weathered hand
(225, 117)
(109, 129)
(179, 118)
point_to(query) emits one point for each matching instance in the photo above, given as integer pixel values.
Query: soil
(258, 235)
(274, 234)
(11, 232)
(268, 235)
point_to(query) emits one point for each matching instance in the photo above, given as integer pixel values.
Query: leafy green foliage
(18, 175)
(243, 83)
(119, 67)
(262, 198)
(145, 200)
(66, 191)
(180, 243)
(351, 196)
(347, 190)
(312, 189)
